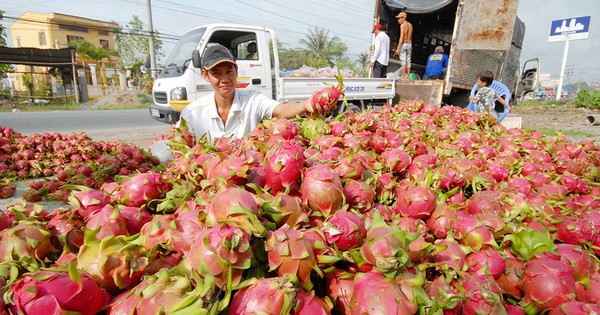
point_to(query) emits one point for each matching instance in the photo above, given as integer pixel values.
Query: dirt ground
(551, 119)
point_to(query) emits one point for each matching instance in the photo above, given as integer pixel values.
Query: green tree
(323, 50)
(4, 69)
(88, 51)
(132, 42)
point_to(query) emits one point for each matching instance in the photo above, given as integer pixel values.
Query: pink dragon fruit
(108, 221)
(291, 254)
(359, 195)
(546, 283)
(28, 242)
(57, 292)
(415, 201)
(509, 280)
(395, 160)
(115, 262)
(575, 308)
(486, 262)
(166, 293)
(230, 168)
(134, 218)
(140, 189)
(285, 127)
(65, 226)
(283, 209)
(88, 201)
(264, 296)
(482, 295)
(236, 207)
(307, 303)
(385, 246)
(375, 294)
(345, 229)
(340, 285)
(445, 294)
(322, 190)
(327, 97)
(223, 252)
(284, 166)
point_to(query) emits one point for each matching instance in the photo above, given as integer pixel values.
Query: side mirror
(143, 69)
(196, 59)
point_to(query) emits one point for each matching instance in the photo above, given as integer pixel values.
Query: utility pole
(151, 39)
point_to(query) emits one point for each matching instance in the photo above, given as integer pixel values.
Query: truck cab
(180, 82)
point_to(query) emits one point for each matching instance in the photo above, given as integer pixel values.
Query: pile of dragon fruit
(409, 209)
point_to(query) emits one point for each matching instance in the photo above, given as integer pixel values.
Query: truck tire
(353, 108)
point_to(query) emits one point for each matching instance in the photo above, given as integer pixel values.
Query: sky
(350, 20)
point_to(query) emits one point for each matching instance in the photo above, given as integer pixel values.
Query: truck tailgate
(429, 91)
(299, 89)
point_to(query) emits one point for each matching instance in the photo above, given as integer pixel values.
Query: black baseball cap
(214, 55)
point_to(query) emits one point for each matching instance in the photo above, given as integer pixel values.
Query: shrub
(588, 99)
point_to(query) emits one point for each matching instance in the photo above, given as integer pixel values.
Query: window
(71, 38)
(42, 38)
(102, 32)
(73, 28)
(104, 44)
(18, 41)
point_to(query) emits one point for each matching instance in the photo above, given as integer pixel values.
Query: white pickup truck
(180, 82)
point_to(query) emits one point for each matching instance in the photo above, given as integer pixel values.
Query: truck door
(528, 79)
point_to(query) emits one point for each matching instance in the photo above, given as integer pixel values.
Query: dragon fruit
(487, 262)
(415, 201)
(264, 296)
(547, 283)
(223, 252)
(359, 195)
(140, 189)
(236, 207)
(374, 293)
(87, 201)
(115, 262)
(385, 247)
(165, 293)
(345, 229)
(108, 221)
(291, 254)
(395, 160)
(326, 98)
(307, 303)
(28, 242)
(482, 295)
(322, 190)
(575, 308)
(284, 166)
(285, 127)
(55, 291)
(283, 209)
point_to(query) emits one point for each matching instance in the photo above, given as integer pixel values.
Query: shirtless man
(404, 48)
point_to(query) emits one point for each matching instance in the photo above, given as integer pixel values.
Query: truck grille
(161, 98)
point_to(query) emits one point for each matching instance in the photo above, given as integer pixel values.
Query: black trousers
(379, 70)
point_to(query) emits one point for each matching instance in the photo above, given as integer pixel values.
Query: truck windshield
(182, 52)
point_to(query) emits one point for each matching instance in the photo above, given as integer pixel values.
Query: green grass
(534, 103)
(569, 133)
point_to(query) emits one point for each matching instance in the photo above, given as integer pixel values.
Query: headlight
(179, 94)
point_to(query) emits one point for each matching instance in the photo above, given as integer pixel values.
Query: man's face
(222, 78)
(401, 19)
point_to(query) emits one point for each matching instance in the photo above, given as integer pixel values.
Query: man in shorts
(404, 48)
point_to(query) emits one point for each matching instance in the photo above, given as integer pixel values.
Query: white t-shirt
(248, 110)
(381, 51)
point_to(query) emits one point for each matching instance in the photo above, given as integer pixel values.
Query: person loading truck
(404, 48)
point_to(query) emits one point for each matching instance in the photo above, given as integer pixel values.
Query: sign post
(566, 30)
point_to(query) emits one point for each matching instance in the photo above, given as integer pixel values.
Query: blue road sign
(570, 29)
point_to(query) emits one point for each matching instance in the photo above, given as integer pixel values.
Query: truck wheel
(353, 108)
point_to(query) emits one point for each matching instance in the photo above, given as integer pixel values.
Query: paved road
(131, 125)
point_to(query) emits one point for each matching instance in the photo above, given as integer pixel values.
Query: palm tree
(323, 50)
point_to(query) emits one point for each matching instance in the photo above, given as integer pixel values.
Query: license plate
(154, 112)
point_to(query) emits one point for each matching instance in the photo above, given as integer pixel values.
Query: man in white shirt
(230, 112)
(381, 52)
